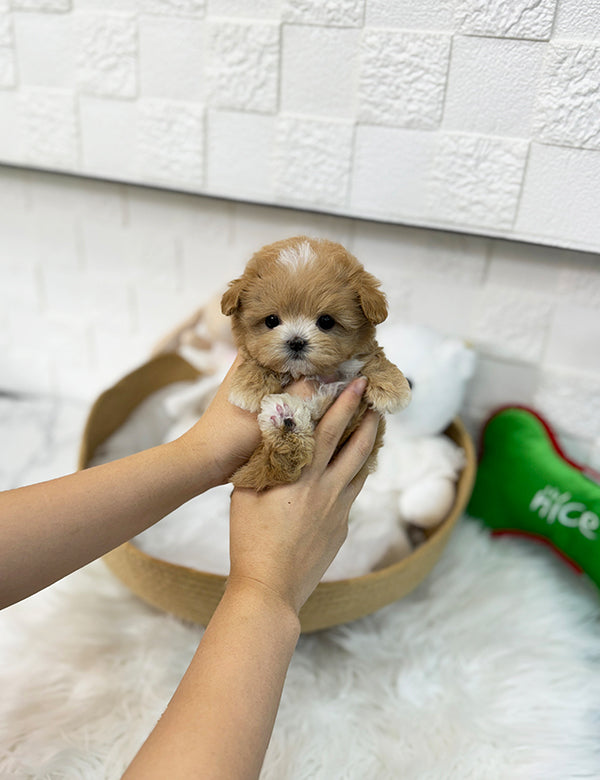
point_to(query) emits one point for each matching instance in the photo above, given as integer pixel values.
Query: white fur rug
(490, 669)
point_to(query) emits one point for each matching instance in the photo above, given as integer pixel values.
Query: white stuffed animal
(414, 486)
(439, 368)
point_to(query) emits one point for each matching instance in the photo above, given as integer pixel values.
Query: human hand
(282, 540)
(225, 436)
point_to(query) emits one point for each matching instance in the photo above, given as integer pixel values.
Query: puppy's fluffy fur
(305, 308)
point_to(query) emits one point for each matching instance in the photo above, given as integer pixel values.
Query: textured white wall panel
(51, 64)
(172, 55)
(173, 7)
(390, 171)
(48, 126)
(41, 5)
(312, 160)
(243, 65)
(171, 142)
(309, 56)
(252, 9)
(107, 5)
(109, 142)
(504, 91)
(560, 200)
(7, 54)
(6, 34)
(239, 154)
(568, 105)
(344, 13)
(408, 14)
(402, 78)
(477, 179)
(575, 19)
(7, 67)
(477, 93)
(107, 54)
(506, 18)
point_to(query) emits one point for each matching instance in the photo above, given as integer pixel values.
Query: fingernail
(358, 386)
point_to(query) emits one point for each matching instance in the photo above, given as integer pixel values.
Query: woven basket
(193, 595)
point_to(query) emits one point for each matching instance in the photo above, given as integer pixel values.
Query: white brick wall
(402, 78)
(476, 115)
(107, 53)
(92, 274)
(501, 19)
(312, 158)
(568, 102)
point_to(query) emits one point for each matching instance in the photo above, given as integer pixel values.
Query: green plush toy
(525, 485)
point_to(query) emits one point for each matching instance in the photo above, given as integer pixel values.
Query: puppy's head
(303, 306)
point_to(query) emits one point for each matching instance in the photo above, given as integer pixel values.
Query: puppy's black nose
(296, 344)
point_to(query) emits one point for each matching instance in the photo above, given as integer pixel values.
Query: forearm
(219, 722)
(52, 528)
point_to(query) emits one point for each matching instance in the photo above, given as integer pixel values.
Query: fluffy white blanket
(489, 670)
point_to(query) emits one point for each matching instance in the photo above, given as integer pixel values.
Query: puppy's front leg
(250, 383)
(287, 444)
(387, 388)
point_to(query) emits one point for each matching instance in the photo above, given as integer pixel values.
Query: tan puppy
(305, 308)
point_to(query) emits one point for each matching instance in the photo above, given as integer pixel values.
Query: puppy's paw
(244, 400)
(388, 399)
(283, 414)
(282, 417)
(387, 390)
(286, 447)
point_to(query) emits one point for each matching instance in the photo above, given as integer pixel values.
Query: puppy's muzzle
(297, 345)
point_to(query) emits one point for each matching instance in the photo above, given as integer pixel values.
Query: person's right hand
(283, 539)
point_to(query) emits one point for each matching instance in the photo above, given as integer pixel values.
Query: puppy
(305, 308)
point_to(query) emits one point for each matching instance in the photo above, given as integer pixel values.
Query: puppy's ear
(232, 297)
(372, 301)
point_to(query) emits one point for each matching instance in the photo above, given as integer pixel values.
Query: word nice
(554, 506)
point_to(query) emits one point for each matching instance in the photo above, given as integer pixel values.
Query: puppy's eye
(325, 322)
(272, 321)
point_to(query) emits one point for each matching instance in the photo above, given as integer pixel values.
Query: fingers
(333, 424)
(356, 484)
(350, 462)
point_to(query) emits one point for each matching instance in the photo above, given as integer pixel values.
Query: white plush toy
(439, 369)
(414, 486)
(411, 491)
